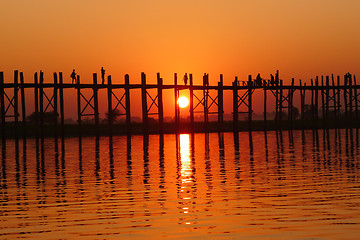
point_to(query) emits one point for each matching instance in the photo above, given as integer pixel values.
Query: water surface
(299, 184)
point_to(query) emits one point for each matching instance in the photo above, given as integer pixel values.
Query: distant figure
(73, 76)
(348, 76)
(103, 75)
(272, 79)
(276, 78)
(185, 78)
(258, 80)
(206, 79)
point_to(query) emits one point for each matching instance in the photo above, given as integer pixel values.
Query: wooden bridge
(335, 100)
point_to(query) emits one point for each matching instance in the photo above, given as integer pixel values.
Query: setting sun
(183, 102)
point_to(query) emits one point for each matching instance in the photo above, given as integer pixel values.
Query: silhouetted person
(206, 79)
(185, 78)
(258, 80)
(272, 79)
(347, 76)
(276, 78)
(103, 75)
(73, 76)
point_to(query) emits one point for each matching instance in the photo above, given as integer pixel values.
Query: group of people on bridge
(259, 81)
(73, 76)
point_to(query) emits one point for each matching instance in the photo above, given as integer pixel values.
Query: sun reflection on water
(185, 158)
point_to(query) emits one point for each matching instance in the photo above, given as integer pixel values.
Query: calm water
(300, 184)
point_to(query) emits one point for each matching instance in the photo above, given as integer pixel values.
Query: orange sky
(301, 38)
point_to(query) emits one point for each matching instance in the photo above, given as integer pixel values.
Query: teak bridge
(334, 100)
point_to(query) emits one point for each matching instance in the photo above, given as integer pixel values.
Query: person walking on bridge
(102, 75)
(73, 77)
(185, 78)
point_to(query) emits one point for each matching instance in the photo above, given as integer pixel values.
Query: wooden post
(61, 96)
(356, 101)
(56, 105)
(205, 94)
(265, 99)
(36, 103)
(177, 110)
(2, 105)
(312, 100)
(23, 107)
(220, 103)
(277, 102)
(327, 98)
(16, 101)
(79, 103)
(144, 102)
(350, 100)
(235, 105)
(345, 99)
(280, 100)
(302, 103)
(339, 97)
(96, 103)
(250, 102)
(160, 103)
(41, 101)
(317, 99)
(323, 103)
(127, 103)
(335, 113)
(191, 102)
(110, 110)
(290, 103)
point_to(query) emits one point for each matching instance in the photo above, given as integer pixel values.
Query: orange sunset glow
(235, 37)
(191, 119)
